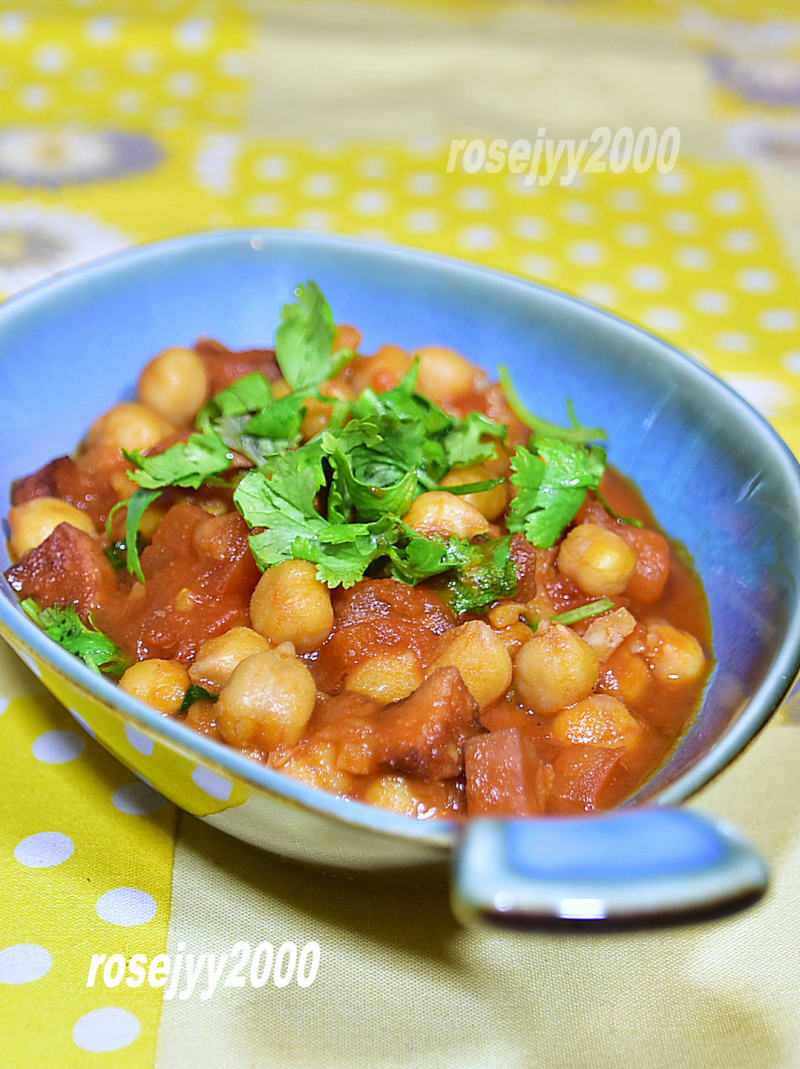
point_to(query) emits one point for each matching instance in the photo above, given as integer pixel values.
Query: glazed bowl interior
(714, 474)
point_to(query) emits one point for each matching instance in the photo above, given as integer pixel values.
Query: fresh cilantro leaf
(196, 693)
(484, 575)
(304, 342)
(136, 505)
(552, 479)
(630, 520)
(542, 427)
(249, 394)
(188, 464)
(464, 444)
(482, 572)
(64, 626)
(374, 468)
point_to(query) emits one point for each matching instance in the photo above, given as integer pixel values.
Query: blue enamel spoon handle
(637, 866)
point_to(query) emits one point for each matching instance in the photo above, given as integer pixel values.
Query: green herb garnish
(64, 626)
(574, 616)
(196, 693)
(137, 504)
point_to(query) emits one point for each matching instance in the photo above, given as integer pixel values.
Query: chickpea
(268, 700)
(387, 677)
(318, 414)
(481, 658)
(598, 561)
(289, 604)
(313, 763)
(382, 371)
(130, 425)
(394, 793)
(628, 674)
(175, 385)
(490, 503)
(605, 633)
(675, 656)
(443, 514)
(555, 668)
(445, 375)
(218, 656)
(35, 520)
(599, 720)
(158, 683)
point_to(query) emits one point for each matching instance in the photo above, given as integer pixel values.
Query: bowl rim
(440, 833)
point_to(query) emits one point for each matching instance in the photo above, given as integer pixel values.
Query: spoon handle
(629, 867)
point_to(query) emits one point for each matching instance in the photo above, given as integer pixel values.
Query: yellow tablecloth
(122, 122)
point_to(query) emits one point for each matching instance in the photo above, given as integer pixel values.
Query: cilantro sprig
(338, 499)
(63, 624)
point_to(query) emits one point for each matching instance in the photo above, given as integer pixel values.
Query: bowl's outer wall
(715, 475)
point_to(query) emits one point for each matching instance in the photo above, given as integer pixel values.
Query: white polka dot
(791, 361)
(778, 319)
(713, 302)
(13, 26)
(128, 101)
(756, 280)
(682, 222)
(767, 395)
(44, 850)
(625, 200)
(676, 182)
(478, 237)
(50, 58)
(637, 234)
(370, 202)
(126, 907)
(141, 60)
(579, 212)
(423, 183)
(109, 1028)
(193, 34)
(373, 167)
(102, 30)
(473, 198)
(23, 963)
(693, 258)
(138, 799)
(423, 222)
(530, 226)
(217, 786)
(4, 703)
(57, 747)
(315, 220)
(79, 719)
(265, 204)
(586, 252)
(138, 741)
(234, 63)
(320, 185)
(740, 240)
(269, 167)
(664, 318)
(601, 293)
(183, 84)
(733, 341)
(35, 97)
(647, 278)
(726, 202)
(538, 266)
(424, 147)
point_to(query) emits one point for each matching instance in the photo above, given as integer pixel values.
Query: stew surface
(378, 573)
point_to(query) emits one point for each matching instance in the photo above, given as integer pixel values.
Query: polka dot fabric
(86, 854)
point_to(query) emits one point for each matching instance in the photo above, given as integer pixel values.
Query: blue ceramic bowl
(717, 477)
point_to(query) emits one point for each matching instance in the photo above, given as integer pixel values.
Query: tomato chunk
(505, 776)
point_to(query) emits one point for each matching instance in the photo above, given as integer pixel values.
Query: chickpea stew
(379, 574)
